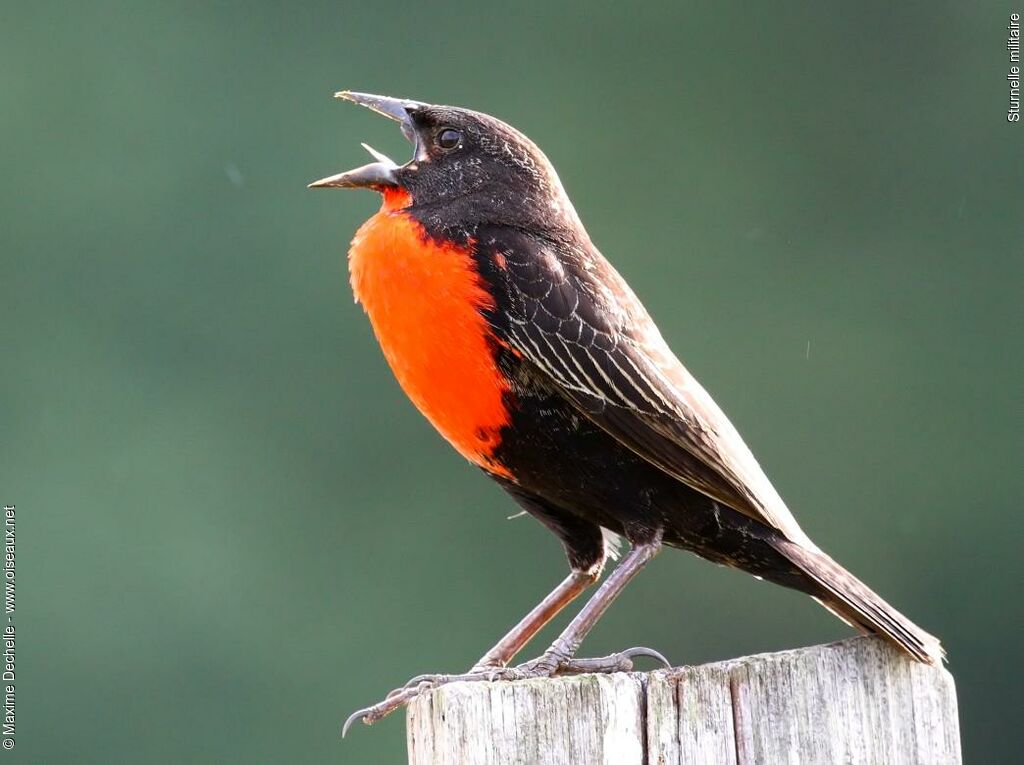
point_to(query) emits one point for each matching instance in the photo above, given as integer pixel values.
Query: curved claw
(631, 653)
(401, 696)
(379, 711)
(357, 715)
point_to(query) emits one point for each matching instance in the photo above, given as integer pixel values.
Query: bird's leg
(559, 657)
(492, 663)
(496, 659)
(564, 594)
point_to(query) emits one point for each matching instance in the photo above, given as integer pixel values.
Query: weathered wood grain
(858, 702)
(585, 719)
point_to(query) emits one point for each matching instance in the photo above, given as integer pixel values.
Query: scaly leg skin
(558, 659)
(493, 663)
(496, 660)
(564, 594)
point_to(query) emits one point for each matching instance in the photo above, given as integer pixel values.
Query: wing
(565, 310)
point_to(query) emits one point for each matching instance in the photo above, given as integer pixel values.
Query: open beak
(381, 173)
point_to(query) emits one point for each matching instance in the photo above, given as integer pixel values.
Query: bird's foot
(552, 662)
(420, 684)
(616, 662)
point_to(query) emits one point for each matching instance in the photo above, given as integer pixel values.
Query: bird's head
(467, 167)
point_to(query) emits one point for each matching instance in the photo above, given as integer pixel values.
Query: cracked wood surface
(856, 702)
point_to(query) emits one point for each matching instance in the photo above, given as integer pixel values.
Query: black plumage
(608, 428)
(605, 430)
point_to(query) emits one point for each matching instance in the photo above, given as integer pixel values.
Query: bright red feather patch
(423, 298)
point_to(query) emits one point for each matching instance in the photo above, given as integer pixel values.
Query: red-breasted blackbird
(530, 354)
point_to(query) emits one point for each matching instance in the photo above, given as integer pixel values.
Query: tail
(855, 603)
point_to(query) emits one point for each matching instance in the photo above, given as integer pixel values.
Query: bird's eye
(448, 138)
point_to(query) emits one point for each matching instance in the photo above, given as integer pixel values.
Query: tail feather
(855, 603)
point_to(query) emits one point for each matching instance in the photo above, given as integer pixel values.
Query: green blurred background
(234, 529)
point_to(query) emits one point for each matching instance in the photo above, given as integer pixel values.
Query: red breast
(424, 299)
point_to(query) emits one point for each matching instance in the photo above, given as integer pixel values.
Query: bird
(529, 353)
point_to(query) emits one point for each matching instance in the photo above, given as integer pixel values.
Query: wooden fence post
(857, 702)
